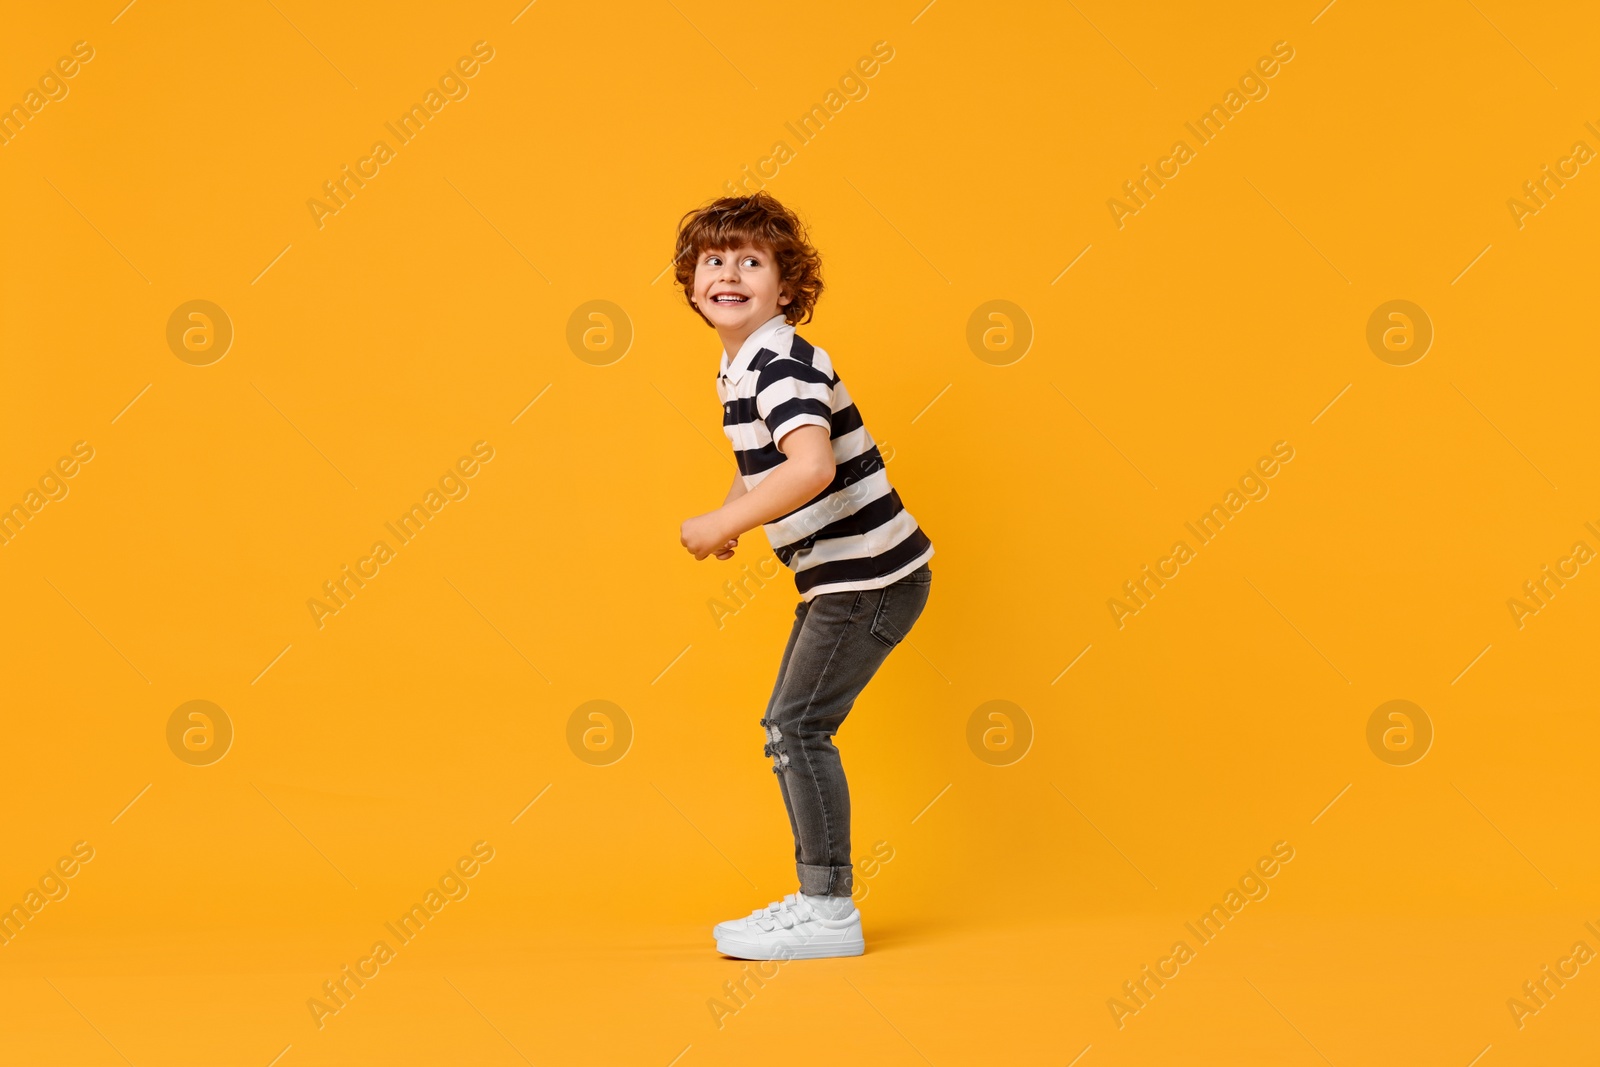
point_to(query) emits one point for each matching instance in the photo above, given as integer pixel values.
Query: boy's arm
(735, 491)
(806, 470)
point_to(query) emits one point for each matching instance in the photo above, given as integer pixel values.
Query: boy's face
(738, 289)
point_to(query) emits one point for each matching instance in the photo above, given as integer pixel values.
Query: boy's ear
(784, 299)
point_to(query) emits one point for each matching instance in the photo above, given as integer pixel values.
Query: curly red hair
(758, 220)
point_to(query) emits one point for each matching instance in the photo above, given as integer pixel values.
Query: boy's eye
(713, 261)
(750, 261)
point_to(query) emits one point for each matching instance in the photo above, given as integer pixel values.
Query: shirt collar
(765, 336)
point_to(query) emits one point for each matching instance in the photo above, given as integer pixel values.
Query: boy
(811, 476)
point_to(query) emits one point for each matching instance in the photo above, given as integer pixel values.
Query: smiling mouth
(726, 299)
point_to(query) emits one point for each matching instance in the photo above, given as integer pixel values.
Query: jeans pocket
(899, 608)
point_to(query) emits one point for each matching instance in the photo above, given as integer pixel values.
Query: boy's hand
(704, 535)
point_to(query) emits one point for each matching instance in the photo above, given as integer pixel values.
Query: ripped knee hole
(775, 746)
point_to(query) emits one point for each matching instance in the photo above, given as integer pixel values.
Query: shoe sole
(789, 951)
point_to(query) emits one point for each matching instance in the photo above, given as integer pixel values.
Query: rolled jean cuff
(824, 881)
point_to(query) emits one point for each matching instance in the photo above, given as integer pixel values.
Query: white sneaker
(791, 929)
(727, 927)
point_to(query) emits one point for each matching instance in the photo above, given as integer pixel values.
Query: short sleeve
(791, 394)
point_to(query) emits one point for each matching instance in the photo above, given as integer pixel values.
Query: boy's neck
(732, 342)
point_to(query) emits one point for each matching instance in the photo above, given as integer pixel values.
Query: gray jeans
(838, 643)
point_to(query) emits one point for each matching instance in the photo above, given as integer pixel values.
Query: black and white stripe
(855, 534)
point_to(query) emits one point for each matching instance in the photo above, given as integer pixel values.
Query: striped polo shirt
(855, 534)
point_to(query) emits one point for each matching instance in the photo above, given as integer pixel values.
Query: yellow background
(428, 313)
